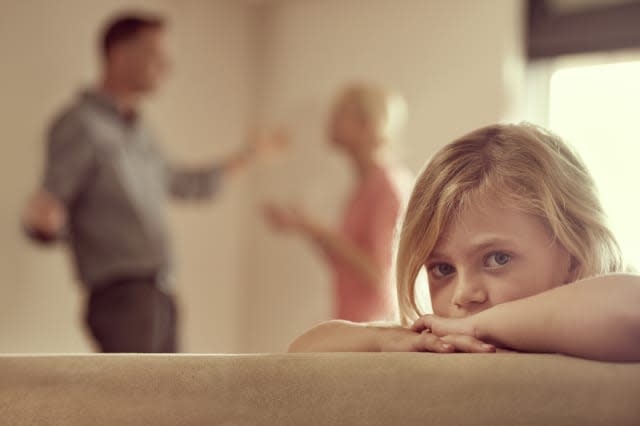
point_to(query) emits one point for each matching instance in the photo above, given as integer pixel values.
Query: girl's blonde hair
(527, 168)
(387, 111)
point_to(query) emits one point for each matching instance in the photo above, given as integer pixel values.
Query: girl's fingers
(422, 323)
(427, 342)
(470, 344)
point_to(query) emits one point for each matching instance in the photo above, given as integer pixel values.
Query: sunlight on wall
(596, 109)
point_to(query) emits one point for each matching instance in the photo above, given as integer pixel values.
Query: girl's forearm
(336, 336)
(596, 318)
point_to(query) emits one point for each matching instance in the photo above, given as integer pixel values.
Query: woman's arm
(371, 256)
(334, 246)
(596, 318)
(338, 248)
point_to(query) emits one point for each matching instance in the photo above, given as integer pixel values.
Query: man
(105, 187)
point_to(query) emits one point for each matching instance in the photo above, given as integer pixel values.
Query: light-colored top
(369, 222)
(108, 171)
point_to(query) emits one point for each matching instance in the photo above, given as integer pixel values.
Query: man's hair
(125, 27)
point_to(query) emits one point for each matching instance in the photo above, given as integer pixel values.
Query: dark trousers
(132, 316)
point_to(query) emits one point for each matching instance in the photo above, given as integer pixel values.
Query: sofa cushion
(317, 389)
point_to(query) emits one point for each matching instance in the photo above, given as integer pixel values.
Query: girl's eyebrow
(479, 244)
(488, 241)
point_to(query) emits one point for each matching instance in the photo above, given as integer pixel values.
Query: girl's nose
(470, 294)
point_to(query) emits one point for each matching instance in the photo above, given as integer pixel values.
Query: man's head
(133, 50)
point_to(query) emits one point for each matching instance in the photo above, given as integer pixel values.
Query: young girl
(508, 225)
(365, 120)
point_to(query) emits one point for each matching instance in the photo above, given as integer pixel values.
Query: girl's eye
(441, 270)
(496, 260)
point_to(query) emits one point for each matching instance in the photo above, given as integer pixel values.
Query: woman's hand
(284, 218)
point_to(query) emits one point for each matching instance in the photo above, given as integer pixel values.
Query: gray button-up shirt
(109, 173)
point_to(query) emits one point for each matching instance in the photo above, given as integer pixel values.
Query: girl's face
(493, 254)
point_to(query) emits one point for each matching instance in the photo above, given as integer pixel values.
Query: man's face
(142, 62)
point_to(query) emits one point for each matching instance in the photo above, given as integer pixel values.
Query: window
(594, 103)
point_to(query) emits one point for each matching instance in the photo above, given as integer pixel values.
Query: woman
(365, 120)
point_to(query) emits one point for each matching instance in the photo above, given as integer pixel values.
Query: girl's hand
(345, 336)
(446, 326)
(460, 332)
(399, 339)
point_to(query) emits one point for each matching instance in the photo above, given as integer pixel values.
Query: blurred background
(571, 65)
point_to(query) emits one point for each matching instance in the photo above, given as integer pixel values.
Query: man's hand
(262, 144)
(267, 142)
(44, 217)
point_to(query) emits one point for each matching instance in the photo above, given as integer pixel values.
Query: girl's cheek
(440, 302)
(507, 289)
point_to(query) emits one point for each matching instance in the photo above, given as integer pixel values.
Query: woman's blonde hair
(387, 111)
(527, 168)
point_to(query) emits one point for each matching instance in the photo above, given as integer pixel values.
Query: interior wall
(459, 64)
(47, 54)
(242, 288)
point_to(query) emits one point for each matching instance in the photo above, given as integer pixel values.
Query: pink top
(369, 222)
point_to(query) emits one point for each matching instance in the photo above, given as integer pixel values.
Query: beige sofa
(317, 389)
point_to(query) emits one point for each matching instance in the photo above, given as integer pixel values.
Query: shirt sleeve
(69, 159)
(194, 183)
(378, 240)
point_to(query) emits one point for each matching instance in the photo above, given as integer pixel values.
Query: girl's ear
(573, 271)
